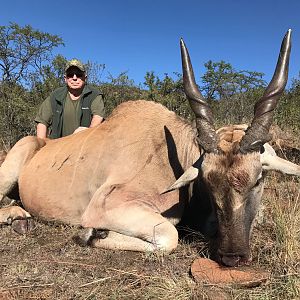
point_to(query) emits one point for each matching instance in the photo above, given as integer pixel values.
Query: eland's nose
(234, 259)
(230, 261)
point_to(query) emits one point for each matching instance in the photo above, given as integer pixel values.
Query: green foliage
(169, 92)
(287, 114)
(152, 82)
(17, 113)
(119, 89)
(52, 77)
(24, 74)
(221, 81)
(29, 73)
(237, 109)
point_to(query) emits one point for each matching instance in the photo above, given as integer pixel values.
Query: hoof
(22, 226)
(86, 236)
(101, 234)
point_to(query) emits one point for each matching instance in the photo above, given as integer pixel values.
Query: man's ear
(270, 161)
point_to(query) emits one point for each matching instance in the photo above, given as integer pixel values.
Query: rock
(208, 271)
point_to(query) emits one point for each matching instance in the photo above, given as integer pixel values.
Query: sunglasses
(78, 74)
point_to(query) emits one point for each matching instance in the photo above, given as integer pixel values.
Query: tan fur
(121, 151)
(111, 177)
(10, 213)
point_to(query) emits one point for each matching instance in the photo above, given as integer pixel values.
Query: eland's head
(234, 159)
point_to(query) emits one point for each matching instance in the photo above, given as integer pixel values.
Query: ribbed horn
(208, 139)
(258, 133)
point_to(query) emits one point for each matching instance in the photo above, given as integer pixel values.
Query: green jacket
(57, 99)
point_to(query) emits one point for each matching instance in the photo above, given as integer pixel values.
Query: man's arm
(96, 120)
(41, 131)
(43, 119)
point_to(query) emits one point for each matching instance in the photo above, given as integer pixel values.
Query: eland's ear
(270, 161)
(186, 178)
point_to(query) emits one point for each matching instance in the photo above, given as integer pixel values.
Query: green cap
(75, 63)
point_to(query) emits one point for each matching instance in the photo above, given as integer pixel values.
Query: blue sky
(139, 36)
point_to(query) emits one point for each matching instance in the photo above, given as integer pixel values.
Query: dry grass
(276, 242)
(46, 264)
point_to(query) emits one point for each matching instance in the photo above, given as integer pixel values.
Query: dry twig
(95, 281)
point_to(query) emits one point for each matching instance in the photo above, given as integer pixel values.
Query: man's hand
(96, 120)
(80, 129)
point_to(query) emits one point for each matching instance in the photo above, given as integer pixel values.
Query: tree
(152, 83)
(95, 72)
(24, 51)
(231, 93)
(221, 80)
(287, 114)
(119, 89)
(17, 113)
(25, 65)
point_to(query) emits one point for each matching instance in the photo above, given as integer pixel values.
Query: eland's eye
(259, 180)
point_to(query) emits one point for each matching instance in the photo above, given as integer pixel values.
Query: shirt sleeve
(44, 114)
(97, 106)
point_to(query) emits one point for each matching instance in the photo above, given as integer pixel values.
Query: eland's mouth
(234, 260)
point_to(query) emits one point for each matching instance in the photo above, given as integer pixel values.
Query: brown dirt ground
(47, 264)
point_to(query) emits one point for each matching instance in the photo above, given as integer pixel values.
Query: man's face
(75, 78)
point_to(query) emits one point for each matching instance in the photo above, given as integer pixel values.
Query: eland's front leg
(16, 158)
(10, 169)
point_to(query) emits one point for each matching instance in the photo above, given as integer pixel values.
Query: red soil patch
(208, 271)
